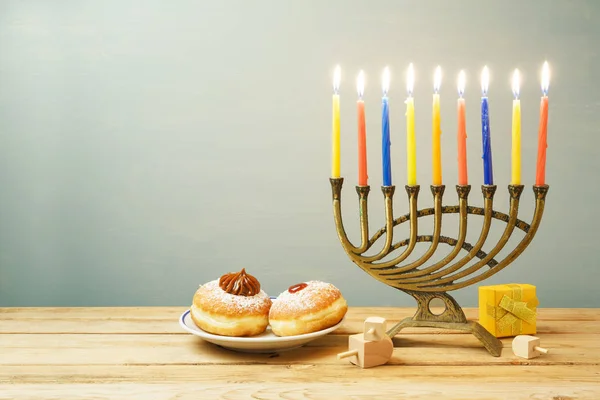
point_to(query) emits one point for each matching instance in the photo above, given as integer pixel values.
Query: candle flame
(337, 76)
(516, 82)
(545, 78)
(385, 81)
(462, 80)
(360, 84)
(485, 80)
(410, 79)
(437, 79)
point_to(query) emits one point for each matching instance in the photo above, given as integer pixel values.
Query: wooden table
(142, 353)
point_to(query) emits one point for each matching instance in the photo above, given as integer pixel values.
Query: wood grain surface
(131, 353)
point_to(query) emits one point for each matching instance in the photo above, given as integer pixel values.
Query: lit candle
(362, 136)
(462, 132)
(385, 131)
(411, 143)
(488, 174)
(436, 148)
(335, 132)
(516, 132)
(540, 175)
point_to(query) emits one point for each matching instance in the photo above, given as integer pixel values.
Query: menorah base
(490, 342)
(452, 317)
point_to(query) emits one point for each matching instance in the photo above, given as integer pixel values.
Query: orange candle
(362, 136)
(462, 133)
(540, 175)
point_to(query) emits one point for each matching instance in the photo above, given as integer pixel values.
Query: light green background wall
(147, 147)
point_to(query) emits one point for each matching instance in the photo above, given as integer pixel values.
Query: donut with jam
(307, 307)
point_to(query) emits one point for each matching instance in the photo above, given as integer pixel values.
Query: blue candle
(488, 175)
(385, 132)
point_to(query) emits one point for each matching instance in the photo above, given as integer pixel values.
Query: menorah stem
(452, 317)
(452, 311)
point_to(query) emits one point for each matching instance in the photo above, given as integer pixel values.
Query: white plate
(266, 342)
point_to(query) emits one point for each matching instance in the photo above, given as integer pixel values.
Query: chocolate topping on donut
(297, 287)
(240, 283)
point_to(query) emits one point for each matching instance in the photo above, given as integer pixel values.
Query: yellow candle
(335, 134)
(436, 148)
(516, 132)
(411, 143)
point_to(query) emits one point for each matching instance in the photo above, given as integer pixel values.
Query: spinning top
(374, 328)
(370, 348)
(526, 346)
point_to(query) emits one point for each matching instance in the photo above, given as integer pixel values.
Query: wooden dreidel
(369, 353)
(374, 328)
(527, 346)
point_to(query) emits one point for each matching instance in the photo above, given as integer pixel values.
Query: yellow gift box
(508, 310)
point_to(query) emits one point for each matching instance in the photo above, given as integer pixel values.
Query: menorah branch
(448, 277)
(363, 194)
(463, 193)
(450, 283)
(394, 270)
(466, 246)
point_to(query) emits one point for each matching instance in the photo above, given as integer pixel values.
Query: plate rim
(236, 339)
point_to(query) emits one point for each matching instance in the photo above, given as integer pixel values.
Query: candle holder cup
(425, 280)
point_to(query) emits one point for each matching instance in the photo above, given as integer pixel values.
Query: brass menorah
(432, 281)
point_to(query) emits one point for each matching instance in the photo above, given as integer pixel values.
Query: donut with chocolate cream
(233, 305)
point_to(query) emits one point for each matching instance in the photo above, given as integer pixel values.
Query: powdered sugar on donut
(215, 298)
(312, 298)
